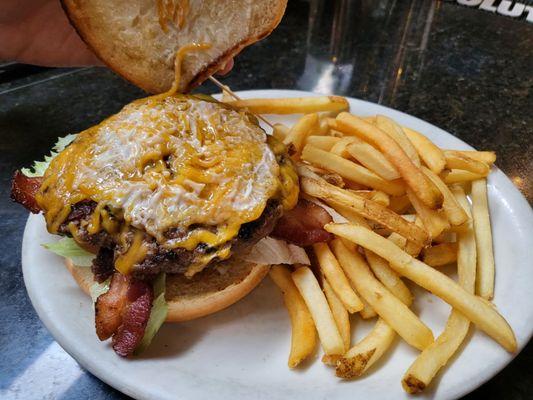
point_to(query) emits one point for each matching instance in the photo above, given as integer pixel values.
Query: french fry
(455, 213)
(476, 309)
(399, 204)
(375, 195)
(431, 154)
(350, 170)
(415, 179)
(323, 126)
(408, 246)
(339, 148)
(280, 131)
(366, 208)
(387, 306)
(389, 277)
(458, 160)
(432, 359)
(372, 158)
(485, 260)
(445, 237)
(440, 254)
(317, 304)
(460, 176)
(322, 142)
(395, 131)
(292, 105)
(340, 314)
(365, 353)
(434, 221)
(304, 339)
(367, 312)
(335, 275)
(299, 131)
(488, 157)
(380, 197)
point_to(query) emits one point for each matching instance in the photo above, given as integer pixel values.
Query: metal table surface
(467, 70)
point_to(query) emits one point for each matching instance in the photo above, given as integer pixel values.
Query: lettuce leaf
(39, 167)
(68, 248)
(97, 289)
(274, 251)
(158, 314)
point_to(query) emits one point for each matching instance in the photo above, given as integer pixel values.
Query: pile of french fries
(400, 210)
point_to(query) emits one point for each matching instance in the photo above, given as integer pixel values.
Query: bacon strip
(134, 319)
(24, 189)
(123, 313)
(303, 225)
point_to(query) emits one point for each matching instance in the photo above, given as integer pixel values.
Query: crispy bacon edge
(123, 312)
(303, 225)
(24, 189)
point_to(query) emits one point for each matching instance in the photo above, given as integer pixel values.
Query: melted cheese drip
(174, 11)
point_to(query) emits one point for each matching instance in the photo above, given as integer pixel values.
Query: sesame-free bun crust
(127, 36)
(207, 292)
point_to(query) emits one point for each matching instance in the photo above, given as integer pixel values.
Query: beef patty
(158, 258)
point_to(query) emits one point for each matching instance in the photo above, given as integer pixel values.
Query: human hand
(38, 32)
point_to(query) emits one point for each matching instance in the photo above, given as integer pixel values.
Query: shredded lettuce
(158, 314)
(97, 289)
(67, 247)
(39, 167)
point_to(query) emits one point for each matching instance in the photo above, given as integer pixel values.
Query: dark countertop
(466, 70)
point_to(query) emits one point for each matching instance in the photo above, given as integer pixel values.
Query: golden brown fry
(455, 213)
(415, 179)
(335, 275)
(292, 105)
(340, 314)
(393, 311)
(280, 131)
(431, 154)
(350, 170)
(322, 142)
(375, 195)
(366, 208)
(323, 126)
(482, 227)
(458, 160)
(428, 363)
(476, 309)
(372, 158)
(434, 221)
(367, 312)
(395, 131)
(339, 148)
(317, 304)
(399, 204)
(389, 277)
(460, 176)
(299, 131)
(365, 353)
(304, 337)
(440, 254)
(488, 157)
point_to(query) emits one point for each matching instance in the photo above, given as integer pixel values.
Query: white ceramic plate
(241, 353)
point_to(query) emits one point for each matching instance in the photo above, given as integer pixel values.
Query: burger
(178, 203)
(172, 200)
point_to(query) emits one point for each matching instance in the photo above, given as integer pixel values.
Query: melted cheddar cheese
(183, 170)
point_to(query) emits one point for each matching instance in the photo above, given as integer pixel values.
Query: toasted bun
(207, 292)
(127, 36)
